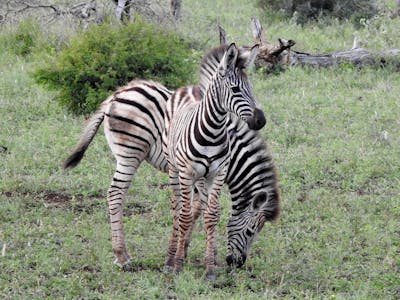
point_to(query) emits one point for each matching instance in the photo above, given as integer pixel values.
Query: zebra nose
(258, 120)
(234, 261)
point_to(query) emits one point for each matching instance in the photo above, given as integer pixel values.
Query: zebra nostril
(236, 261)
(260, 117)
(241, 260)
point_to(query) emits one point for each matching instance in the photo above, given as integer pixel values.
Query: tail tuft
(87, 136)
(74, 159)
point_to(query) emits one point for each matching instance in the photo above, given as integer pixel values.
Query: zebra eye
(236, 89)
(259, 200)
(249, 232)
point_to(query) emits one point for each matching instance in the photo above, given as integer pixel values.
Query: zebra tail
(86, 138)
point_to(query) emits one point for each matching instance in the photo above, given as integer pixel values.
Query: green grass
(334, 134)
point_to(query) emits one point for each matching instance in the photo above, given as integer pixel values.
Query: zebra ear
(250, 56)
(228, 61)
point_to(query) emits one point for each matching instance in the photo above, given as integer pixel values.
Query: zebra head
(245, 224)
(253, 185)
(236, 88)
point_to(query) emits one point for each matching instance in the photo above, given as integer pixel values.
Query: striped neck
(211, 118)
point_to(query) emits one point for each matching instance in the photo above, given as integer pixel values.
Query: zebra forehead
(214, 56)
(210, 62)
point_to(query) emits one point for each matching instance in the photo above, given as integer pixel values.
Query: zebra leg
(185, 219)
(176, 203)
(199, 194)
(211, 219)
(116, 197)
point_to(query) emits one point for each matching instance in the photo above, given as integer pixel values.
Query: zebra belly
(208, 170)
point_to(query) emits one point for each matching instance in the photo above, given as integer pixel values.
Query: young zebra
(133, 121)
(197, 147)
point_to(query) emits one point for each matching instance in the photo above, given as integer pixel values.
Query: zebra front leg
(116, 197)
(199, 201)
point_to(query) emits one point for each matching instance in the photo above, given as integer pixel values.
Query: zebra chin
(257, 121)
(234, 260)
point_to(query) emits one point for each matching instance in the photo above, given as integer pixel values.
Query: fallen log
(271, 56)
(356, 56)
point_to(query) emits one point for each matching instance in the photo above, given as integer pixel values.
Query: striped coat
(197, 147)
(133, 118)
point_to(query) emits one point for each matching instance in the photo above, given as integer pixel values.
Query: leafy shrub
(107, 56)
(306, 10)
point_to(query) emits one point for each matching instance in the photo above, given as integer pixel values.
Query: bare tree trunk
(123, 11)
(176, 9)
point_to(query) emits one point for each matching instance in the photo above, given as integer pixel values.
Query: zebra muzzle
(258, 120)
(236, 261)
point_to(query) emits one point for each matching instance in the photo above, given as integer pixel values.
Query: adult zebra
(133, 124)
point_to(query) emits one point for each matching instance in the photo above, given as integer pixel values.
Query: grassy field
(334, 134)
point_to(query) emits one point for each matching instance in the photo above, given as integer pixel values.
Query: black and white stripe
(197, 147)
(128, 128)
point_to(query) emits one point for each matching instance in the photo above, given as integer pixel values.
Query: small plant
(107, 56)
(23, 39)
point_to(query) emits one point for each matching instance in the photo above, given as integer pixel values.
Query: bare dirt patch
(49, 198)
(56, 198)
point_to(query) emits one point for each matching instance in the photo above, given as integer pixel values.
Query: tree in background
(176, 9)
(123, 11)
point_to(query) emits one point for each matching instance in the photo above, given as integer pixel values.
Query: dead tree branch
(86, 11)
(270, 55)
(222, 36)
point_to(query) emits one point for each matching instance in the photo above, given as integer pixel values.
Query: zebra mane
(209, 65)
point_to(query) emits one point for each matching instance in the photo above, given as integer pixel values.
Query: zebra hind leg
(116, 197)
(175, 206)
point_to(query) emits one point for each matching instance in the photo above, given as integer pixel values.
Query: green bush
(306, 10)
(104, 57)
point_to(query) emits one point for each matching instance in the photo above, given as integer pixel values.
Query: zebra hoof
(177, 270)
(168, 269)
(126, 266)
(211, 277)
